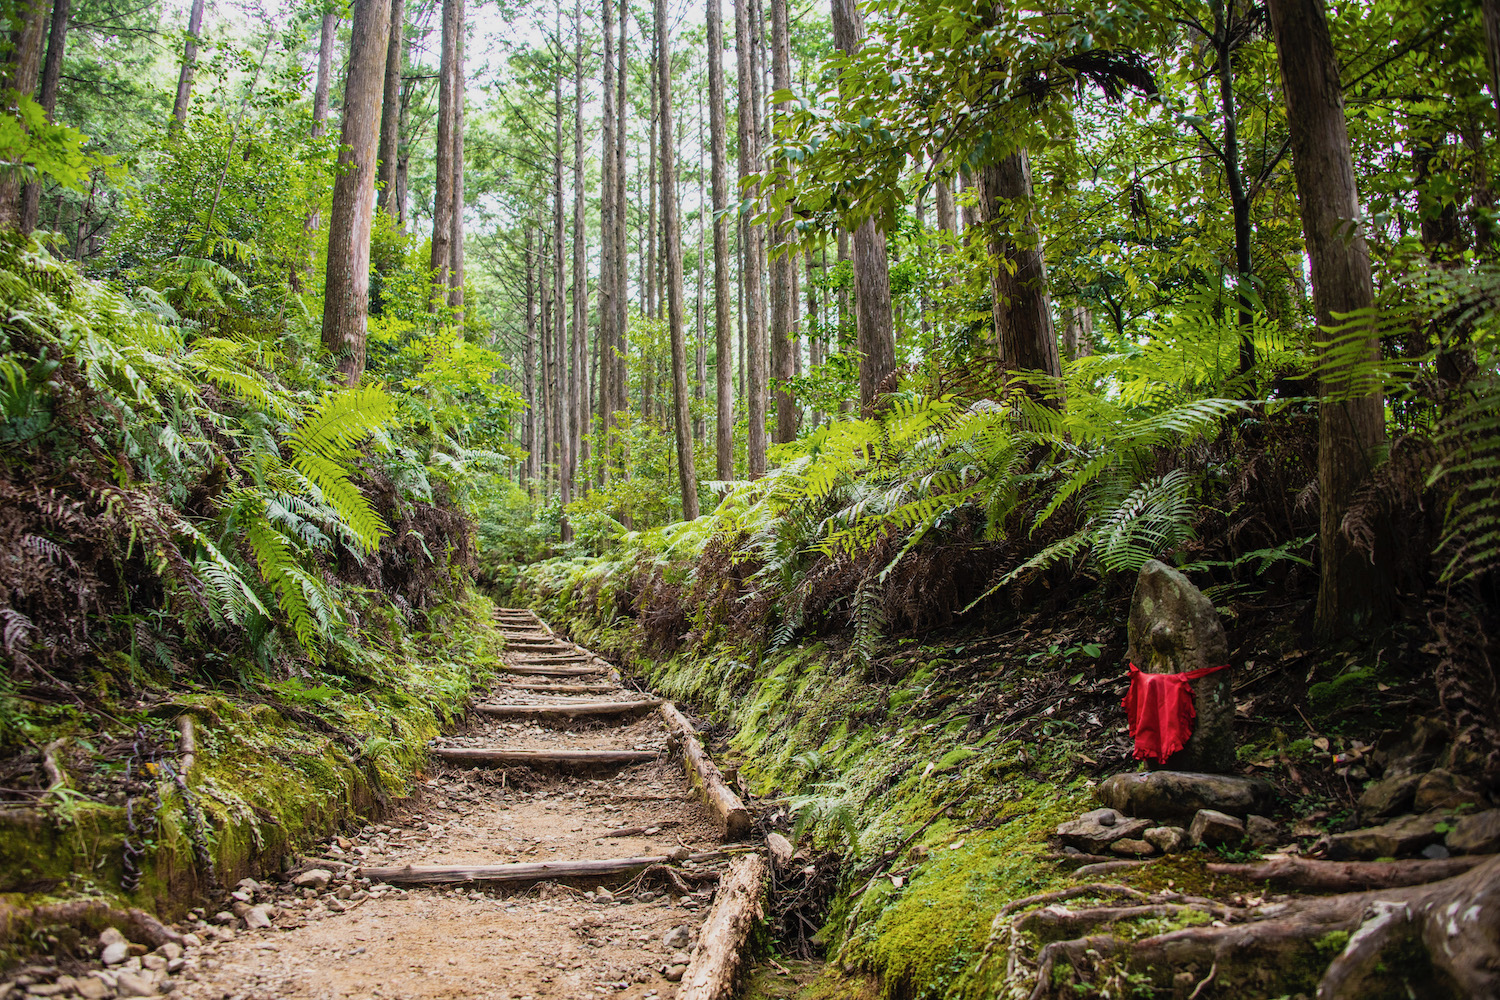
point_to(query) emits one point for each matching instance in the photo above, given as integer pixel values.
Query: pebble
(675, 973)
(258, 918)
(130, 984)
(92, 989)
(313, 878)
(115, 952)
(678, 937)
(111, 935)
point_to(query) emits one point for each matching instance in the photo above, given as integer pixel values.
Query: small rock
(109, 936)
(1132, 848)
(1388, 797)
(192, 941)
(679, 958)
(1167, 839)
(313, 878)
(154, 963)
(1476, 834)
(1412, 749)
(170, 950)
(257, 919)
(1434, 852)
(675, 973)
(603, 895)
(678, 937)
(248, 884)
(1262, 832)
(242, 895)
(224, 918)
(115, 953)
(1180, 794)
(92, 989)
(240, 909)
(1094, 831)
(1443, 790)
(44, 990)
(679, 853)
(344, 892)
(129, 984)
(1400, 838)
(1212, 828)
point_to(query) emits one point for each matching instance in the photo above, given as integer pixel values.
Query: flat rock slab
(1476, 834)
(1402, 837)
(1096, 830)
(1180, 794)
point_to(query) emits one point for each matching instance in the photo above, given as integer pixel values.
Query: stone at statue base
(1174, 629)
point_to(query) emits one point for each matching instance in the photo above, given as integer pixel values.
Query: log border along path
(534, 650)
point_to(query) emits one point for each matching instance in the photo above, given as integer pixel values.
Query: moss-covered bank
(272, 774)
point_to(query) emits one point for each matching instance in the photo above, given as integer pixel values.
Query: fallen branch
(187, 746)
(542, 758)
(636, 831)
(532, 871)
(1105, 867)
(715, 791)
(1349, 876)
(721, 955)
(56, 776)
(573, 709)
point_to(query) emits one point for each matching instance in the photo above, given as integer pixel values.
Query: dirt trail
(352, 938)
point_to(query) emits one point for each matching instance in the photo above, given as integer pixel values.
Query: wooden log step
(532, 871)
(544, 688)
(544, 670)
(723, 943)
(712, 788)
(573, 709)
(542, 758)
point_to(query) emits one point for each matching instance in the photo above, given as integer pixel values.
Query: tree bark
(23, 65)
(580, 381)
(189, 65)
(564, 397)
(528, 366)
(649, 287)
(721, 800)
(1491, 13)
(754, 246)
(872, 284)
(1225, 32)
(783, 261)
(608, 259)
(346, 297)
(390, 113)
(724, 942)
(1351, 417)
(700, 347)
(324, 85)
(687, 475)
(719, 179)
(57, 38)
(1022, 305)
(443, 206)
(622, 312)
(456, 239)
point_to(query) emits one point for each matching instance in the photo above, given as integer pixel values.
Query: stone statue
(1175, 629)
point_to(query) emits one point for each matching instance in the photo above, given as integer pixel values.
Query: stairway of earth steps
(557, 683)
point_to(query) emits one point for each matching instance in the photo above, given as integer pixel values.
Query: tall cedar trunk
(607, 260)
(872, 284)
(1225, 32)
(700, 353)
(456, 237)
(346, 297)
(22, 67)
(189, 64)
(846, 406)
(945, 219)
(323, 88)
(1351, 419)
(449, 96)
(783, 261)
(723, 347)
(580, 380)
(815, 320)
(754, 243)
(649, 266)
(1491, 11)
(528, 365)
(739, 307)
(687, 475)
(552, 421)
(390, 112)
(559, 299)
(57, 39)
(622, 270)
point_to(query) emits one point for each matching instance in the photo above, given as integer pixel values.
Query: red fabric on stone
(1160, 710)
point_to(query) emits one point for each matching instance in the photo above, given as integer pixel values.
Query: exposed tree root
(1445, 935)
(1348, 876)
(87, 915)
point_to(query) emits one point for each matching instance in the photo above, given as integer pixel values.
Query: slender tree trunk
(719, 169)
(1225, 32)
(622, 270)
(327, 38)
(1352, 595)
(23, 64)
(346, 297)
(1022, 303)
(580, 323)
(687, 476)
(652, 288)
(189, 65)
(443, 207)
(565, 397)
(456, 240)
(1491, 12)
(740, 244)
(528, 365)
(57, 38)
(782, 261)
(390, 112)
(700, 380)
(872, 285)
(608, 261)
(945, 218)
(754, 242)
(552, 422)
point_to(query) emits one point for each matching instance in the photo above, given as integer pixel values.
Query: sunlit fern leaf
(323, 447)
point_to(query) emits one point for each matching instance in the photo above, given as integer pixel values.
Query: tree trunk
(687, 476)
(443, 208)
(719, 171)
(1239, 198)
(551, 421)
(622, 311)
(189, 65)
(1351, 417)
(346, 297)
(580, 382)
(22, 67)
(1491, 11)
(1022, 305)
(559, 286)
(456, 240)
(390, 112)
(872, 285)
(945, 218)
(649, 286)
(754, 255)
(700, 353)
(57, 38)
(608, 262)
(324, 85)
(528, 367)
(783, 261)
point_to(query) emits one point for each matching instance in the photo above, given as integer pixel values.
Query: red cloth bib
(1161, 712)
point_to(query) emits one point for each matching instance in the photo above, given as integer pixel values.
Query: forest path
(359, 937)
